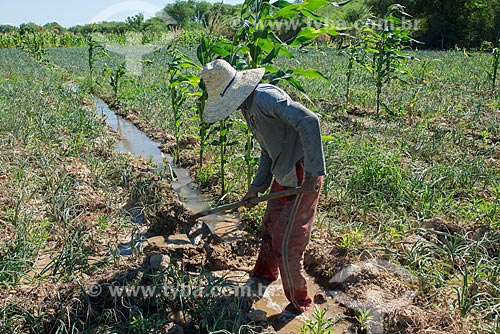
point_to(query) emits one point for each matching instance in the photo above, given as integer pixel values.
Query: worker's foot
(291, 309)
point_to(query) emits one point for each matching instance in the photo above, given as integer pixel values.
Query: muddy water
(272, 300)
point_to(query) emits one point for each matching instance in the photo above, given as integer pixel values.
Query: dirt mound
(369, 285)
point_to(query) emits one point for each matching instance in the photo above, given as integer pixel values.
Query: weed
(364, 318)
(319, 324)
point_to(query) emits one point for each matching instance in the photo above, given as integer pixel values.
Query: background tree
(446, 23)
(30, 27)
(6, 28)
(136, 22)
(54, 27)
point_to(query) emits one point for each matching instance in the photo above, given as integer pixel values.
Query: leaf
(286, 53)
(193, 80)
(312, 15)
(287, 12)
(340, 4)
(245, 6)
(201, 51)
(311, 74)
(220, 51)
(186, 63)
(314, 4)
(328, 138)
(271, 55)
(281, 4)
(305, 35)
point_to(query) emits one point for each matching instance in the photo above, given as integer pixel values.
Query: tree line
(442, 24)
(445, 24)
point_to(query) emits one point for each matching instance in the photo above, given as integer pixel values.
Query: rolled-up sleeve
(263, 177)
(306, 123)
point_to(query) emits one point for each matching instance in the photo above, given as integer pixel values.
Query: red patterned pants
(286, 230)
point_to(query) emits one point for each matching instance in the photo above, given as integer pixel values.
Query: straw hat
(227, 88)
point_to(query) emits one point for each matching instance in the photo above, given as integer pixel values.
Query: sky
(70, 13)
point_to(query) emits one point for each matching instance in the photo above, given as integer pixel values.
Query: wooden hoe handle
(255, 200)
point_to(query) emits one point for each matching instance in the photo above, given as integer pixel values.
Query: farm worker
(291, 153)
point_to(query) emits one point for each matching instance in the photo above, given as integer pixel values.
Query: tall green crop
(354, 54)
(34, 44)
(95, 50)
(117, 78)
(179, 89)
(383, 46)
(494, 66)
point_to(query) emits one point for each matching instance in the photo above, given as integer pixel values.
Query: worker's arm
(262, 178)
(306, 123)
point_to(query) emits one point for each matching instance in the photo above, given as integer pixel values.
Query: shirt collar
(245, 106)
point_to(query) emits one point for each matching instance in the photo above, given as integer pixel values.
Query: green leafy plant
(179, 90)
(222, 143)
(319, 324)
(352, 240)
(208, 49)
(364, 318)
(117, 78)
(353, 53)
(383, 47)
(95, 51)
(495, 61)
(34, 45)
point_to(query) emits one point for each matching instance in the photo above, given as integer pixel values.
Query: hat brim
(218, 108)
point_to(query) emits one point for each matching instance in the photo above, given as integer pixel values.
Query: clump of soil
(369, 282)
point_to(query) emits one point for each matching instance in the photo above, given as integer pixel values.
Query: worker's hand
(310, 185)
(250, 194)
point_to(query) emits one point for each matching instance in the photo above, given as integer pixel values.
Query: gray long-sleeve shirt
(287, 132)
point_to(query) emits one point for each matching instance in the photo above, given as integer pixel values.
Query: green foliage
(136, 22)
(34, 44)
(352, 239)
(117, 78)
(192, 13)
(383, 46)
(40, 39)
(495, 61)
(95, 51)
(7, 28)
(319, 324)
(179, 90)
(444, 24)
(354, 53)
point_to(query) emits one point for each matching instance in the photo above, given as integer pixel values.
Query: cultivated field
(416, 186)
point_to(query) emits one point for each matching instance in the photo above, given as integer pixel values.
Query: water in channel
(138, 143)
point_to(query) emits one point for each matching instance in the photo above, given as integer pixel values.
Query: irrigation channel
(272, 301)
